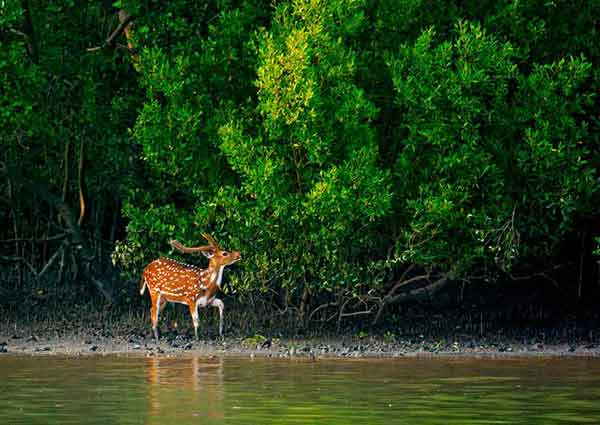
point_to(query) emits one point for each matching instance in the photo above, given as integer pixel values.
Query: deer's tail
(143, 285)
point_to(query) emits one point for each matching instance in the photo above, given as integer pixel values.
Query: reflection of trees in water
(188, 389)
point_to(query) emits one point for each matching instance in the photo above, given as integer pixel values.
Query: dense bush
(352, 150)
(492, 167)
(65, 154)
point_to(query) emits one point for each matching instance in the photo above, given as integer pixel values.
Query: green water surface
(196, 390)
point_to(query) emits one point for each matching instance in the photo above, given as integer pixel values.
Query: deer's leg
(156, 307)
(219, 304)
(163, 304)
(194, 312)
(153, 312)
(143, 284)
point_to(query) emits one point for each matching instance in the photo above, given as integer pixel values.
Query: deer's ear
(209, 253)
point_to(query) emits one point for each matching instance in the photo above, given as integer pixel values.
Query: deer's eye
(224, 253)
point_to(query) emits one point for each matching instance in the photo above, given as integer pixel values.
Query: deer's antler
(211, 240)
(188, 250)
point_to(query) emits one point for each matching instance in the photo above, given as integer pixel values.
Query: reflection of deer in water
(170, 280)
(189, 385)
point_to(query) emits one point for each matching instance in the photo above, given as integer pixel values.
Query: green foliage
(64, 114)
(337, 143)
(341, 145)
(313, 161)
(389, 337)
(254, 341)
(309, 178)
(492, 166)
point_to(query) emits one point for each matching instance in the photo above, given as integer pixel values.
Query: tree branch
(110, 41)
(20, 259)
(409, 295)
(358, 313)
(321, 307)
(543, 273)
(80, 181)
(28, 32)
(50, 262)
(402, 283)
(429, 289)
(46, 239)
(106, 292)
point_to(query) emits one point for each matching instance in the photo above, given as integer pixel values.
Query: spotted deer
(171, 281)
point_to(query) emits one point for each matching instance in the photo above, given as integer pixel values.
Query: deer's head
(217, 256)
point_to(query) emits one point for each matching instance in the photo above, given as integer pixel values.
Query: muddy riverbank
(99, 331)
(96, 341)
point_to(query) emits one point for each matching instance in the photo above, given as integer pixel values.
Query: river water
(197, 390)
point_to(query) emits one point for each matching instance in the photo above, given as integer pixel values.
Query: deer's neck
(216, 274)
